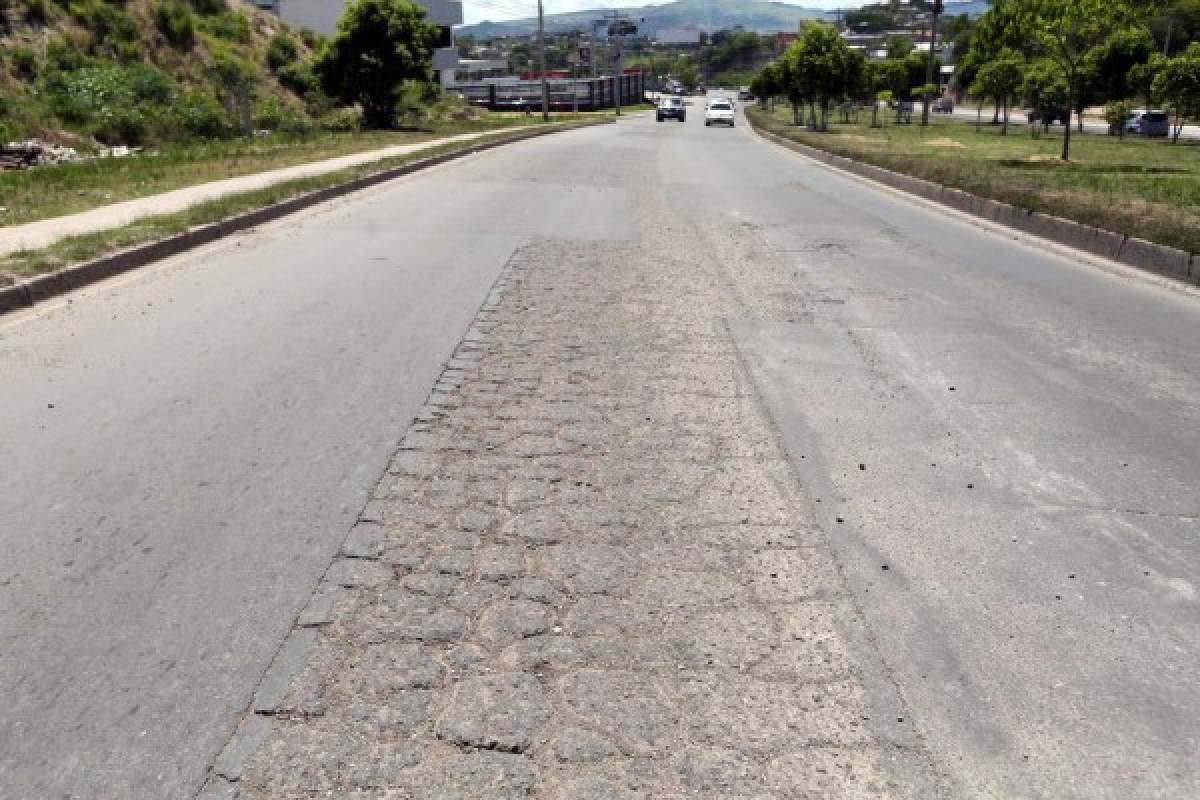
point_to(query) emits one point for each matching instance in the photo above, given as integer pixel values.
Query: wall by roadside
(1131, 251)
(32, 291)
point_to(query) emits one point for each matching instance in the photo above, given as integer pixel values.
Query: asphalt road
(183, 453)
(1006, 445)
(1002, 442)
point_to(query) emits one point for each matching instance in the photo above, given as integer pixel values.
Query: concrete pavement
(754, 481)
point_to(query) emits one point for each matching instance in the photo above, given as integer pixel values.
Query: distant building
(478, 69)
(321, 16)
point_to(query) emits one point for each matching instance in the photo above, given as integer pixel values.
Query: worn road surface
(747, 480)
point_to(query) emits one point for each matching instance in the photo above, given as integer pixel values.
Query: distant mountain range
(761, 16)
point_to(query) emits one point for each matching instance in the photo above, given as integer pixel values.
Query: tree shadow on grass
(1091, 169)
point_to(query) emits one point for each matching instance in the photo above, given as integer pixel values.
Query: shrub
(281, 51)
(274, 114)
(198, 113)
(121, 124)
(1116, 112)
(174, 19)
(64, 54)
(94, 93)
(25, 62)
(298, 78)
(233, 26)
(341, 120)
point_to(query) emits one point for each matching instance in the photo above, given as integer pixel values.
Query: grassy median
(1144, 188)
(52, 191)
(77, 249)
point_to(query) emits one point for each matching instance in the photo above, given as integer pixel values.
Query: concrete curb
(25, 294)
(1128, 250)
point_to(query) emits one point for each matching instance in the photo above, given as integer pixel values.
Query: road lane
(1005, 445)
(184, 449)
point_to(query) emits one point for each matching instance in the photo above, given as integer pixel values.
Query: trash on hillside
(37, 153)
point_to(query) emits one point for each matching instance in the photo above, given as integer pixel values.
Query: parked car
(1050, 116)
(943, 105)
(745, 96)
(719, 112)
(1142, 122)
(671, 107)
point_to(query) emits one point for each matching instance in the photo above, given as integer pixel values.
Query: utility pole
(937, 9)
(616, 36)
(595, 46)
(542, 62)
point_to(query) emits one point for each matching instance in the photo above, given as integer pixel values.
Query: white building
(321, 16)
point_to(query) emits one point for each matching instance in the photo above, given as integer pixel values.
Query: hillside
(760, 16)
(708, 15)
(141, 71)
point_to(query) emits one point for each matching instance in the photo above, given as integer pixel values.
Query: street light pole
(937, 9)
(595, 54)
(542, 62)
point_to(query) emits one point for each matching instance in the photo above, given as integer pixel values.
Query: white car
(719, 112)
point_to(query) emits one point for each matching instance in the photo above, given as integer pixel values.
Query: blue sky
(477, 10)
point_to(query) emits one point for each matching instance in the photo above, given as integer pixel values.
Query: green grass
(53, 191)
(77, 249)
(1144, 188)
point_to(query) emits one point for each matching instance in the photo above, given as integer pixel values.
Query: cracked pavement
(590, 572)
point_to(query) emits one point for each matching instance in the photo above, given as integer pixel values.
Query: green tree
(379, 46)
(824, 70)
(871, 19)
(1002, 30)
(1044, 91)
(1116, 112)
(767, 84)
(1066, 32)
(1105, 75)
(1000, 79)
(1178, 85)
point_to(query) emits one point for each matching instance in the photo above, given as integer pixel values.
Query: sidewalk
(587, 573)
(45, 232)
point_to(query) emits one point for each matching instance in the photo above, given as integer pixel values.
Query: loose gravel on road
(590, 572)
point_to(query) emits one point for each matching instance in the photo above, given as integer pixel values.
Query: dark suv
(672, 108)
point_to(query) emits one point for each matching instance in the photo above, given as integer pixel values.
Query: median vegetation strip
(57, 190)
(77, 249)
(1137, 187)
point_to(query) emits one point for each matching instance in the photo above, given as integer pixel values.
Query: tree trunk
(1004, 130)
(1066, 149)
